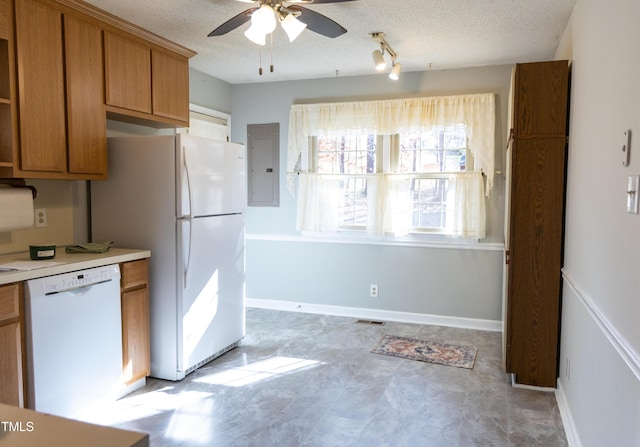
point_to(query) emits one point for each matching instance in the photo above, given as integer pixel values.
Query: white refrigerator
(182, 197)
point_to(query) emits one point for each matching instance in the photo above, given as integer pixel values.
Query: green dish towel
(91, 247)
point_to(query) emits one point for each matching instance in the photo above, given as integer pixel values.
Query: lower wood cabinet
(13, 389)
(136, 364)
(134, 289)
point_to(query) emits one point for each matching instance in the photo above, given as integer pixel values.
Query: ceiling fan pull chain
(260, 69)
(271, 51)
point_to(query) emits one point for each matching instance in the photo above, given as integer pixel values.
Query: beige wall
(56, 197)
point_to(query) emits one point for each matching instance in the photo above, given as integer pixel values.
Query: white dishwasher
(74, 340)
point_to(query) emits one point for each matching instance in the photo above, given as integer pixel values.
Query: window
(423, 156)
(394, 167)
(350, 157)
(426, 156)
(207, 123)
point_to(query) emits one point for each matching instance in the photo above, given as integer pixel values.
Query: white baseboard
(376, 314)
(515, 384)
(573, 440)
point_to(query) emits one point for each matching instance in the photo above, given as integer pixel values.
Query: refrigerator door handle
(187, 183)
(186, 249)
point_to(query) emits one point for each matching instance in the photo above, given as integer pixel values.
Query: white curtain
(466, 214)
(388, 194)
(318, 197)
(389, 117)
(389, 199)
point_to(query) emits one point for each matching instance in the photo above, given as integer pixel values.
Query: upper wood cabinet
(6, 114)
(87, 130)
(65, 66)
(41, 94)
(4, 19)
(146, 80)
(62, 128)
(170, 86)
(127, 73)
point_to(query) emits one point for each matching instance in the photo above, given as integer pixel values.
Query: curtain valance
(388, 117)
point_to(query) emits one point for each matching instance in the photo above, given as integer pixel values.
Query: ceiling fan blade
(318, 23)
(233, 23)
(317, 2)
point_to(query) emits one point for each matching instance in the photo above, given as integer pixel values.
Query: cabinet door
(87, 146)
(127, 73)
(540, 100)
(11, 385)
(4, 19)
(12, 355)
(41, 98)
(170, 86)
(136, 363)
(535, 247)
(135, 335)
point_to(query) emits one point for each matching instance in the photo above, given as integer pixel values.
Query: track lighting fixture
(378, 56)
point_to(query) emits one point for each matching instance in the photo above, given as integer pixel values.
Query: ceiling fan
(288, 13)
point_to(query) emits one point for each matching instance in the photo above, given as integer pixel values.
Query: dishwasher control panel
(79, 279)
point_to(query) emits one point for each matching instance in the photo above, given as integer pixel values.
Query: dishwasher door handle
(79, 290)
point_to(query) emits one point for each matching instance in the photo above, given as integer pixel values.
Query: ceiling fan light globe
(264, 19)
(292, 26)
(395, 71)
(378, 60)
(255, 35)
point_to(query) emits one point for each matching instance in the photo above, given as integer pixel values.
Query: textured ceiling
(446, 34)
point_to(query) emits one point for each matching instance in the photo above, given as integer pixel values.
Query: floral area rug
(424, 351)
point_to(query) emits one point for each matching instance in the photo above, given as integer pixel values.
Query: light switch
(632, 194)
(626, 148)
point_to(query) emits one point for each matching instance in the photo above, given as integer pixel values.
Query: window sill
(416, 240)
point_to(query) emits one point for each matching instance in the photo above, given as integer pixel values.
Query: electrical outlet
(41, 217)
(373, 290)
(633, 193)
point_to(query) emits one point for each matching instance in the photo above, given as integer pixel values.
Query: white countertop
(28, 428)
(69, 262)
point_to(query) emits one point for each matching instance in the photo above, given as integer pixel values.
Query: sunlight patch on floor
(257, 371)
(143, 405)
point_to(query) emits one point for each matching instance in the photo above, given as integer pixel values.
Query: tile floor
(310, 380)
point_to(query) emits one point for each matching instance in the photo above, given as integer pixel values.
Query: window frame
(387, 162)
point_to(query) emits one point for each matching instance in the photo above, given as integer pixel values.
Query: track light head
(395, 71)
(378, 60)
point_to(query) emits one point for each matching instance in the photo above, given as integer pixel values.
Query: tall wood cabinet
(535, 221)
(13, 367)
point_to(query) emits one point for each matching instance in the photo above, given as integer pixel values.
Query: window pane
(429, 202)
(442, 149)
(353, 154)
(354, 206)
